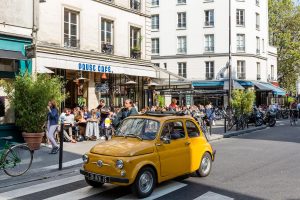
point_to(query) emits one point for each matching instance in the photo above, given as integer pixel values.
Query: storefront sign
(94, 68)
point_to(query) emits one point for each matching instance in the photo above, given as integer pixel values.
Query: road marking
(213, 196)
(39, 187)
(81, 193)
(160, 191)
(48, 168)
(65, 164)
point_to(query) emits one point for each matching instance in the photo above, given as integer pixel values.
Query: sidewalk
(217, 131)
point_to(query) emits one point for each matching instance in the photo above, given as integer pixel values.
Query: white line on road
(81, 193)
(213, 196)
(39, 187)
(160, 191)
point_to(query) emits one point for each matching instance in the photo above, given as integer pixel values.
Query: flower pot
(33, 140)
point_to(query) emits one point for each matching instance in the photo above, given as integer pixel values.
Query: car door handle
(187, 143)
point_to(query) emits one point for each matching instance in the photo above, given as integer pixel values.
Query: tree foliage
(284, 28)
(242, 101)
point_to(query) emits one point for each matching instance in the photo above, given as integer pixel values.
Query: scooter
(270, 118)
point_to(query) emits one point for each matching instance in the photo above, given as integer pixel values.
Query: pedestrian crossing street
(75, 188)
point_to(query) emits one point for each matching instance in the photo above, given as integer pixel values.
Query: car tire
(144, 183)
(94, 184)
(205, 165)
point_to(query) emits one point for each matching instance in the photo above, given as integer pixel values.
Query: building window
(209, 18)
(156, 64)
(165, 65)
(263, 45)
(257, 21)
(155, 3)
(240, 17)
(155, 22)
(257, 45)
(135, 42)
(71, 29)
(181, 1)
(182, 69)
(107, 36)
(272, 72)
(257, 2)
(181, 40)
(210, 70)
(209, 43)
(258, 71)
(135, 4)
(241, 69)
(240, 42)
(181, 20)
(155, 46)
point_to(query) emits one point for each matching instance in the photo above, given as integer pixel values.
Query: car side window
(173, 130)
(192, 129)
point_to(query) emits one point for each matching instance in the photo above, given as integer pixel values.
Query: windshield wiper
(137, 136)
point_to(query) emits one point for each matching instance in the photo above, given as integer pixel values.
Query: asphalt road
(258, 165)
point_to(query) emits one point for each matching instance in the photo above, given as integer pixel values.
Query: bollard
(61, 141)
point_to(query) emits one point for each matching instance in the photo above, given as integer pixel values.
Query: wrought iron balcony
(71, 43)
(136, 54)
(107, 48)
(241, 75)
(181, 50)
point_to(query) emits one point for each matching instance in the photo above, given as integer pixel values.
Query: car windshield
(144, 129)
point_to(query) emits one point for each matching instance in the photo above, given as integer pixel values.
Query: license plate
(98, 178)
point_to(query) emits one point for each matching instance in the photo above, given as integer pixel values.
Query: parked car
(149, 149)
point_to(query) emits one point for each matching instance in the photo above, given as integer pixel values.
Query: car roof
(161, 116)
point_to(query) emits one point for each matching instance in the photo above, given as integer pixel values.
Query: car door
(173, 156)
(196, 146)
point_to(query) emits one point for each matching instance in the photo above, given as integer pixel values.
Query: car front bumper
(104, 179)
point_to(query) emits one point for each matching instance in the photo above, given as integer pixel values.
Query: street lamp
(230, 61)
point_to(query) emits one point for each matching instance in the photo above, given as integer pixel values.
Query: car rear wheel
(93, 183)
(144, 182)
(205, 165)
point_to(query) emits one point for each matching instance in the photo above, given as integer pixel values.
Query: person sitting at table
(92, 130)
(81, 123)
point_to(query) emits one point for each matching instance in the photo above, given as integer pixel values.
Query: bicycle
(293, 116)
(15, 159)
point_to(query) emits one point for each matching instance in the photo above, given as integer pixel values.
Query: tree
(242, 101)
(284, 28)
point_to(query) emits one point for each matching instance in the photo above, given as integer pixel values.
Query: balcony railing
(71, 43)
(258, 77)
(241, 75)
(181, 25)
(155, 27)
(181, 50)
(135, 5)
(209, 76)
(257, 51)
(136, 54)
(107, 48)
(240, 49)
(209, 49)
(209, 23)
(257, 26)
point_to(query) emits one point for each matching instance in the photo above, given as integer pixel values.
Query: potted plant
(136, 50)
(29, 98)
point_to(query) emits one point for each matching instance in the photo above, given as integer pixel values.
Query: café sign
(94, 68)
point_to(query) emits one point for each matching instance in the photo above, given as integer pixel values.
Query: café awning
(12, 55)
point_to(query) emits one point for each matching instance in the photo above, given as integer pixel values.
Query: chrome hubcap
(205, 165)
(146, 182)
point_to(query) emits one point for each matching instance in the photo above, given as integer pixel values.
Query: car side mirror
(165, 140)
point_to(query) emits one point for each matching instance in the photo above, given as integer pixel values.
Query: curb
(236, 133)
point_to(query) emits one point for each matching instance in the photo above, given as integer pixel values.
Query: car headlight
(85, 158)
(120, 164)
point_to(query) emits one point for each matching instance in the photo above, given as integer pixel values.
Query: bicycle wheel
(17, 160)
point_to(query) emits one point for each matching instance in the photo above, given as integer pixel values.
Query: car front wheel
(205, 165)
(93, 183)
(144, 183)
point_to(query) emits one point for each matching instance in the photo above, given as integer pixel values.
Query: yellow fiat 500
(149, 149)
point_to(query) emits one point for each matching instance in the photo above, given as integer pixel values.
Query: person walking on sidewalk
(52, 125)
